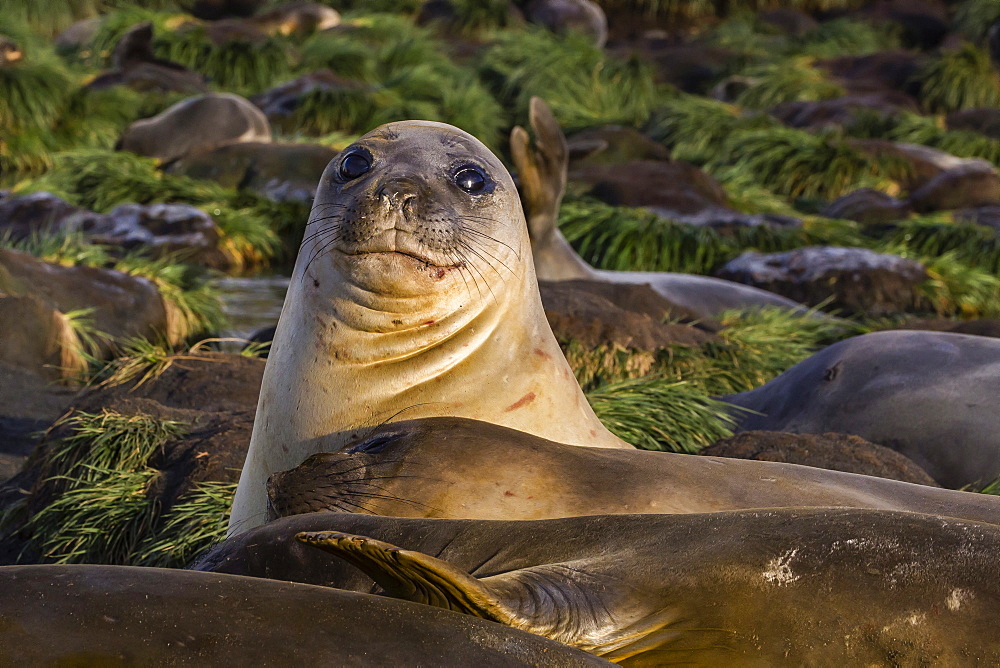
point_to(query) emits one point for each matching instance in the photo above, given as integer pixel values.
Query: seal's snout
(399, 194)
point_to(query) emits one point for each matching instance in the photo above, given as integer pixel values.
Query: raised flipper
(415, 576)
(541, 166)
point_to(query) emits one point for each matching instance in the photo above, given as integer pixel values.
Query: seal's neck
(555, 259)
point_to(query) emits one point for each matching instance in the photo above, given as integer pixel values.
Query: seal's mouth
(425, 261)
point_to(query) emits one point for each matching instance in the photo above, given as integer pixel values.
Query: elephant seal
(542, 171)
(413, 295)
(196, 124)
(494, 472)
(787, 586)
(125, 616)
(931, 396)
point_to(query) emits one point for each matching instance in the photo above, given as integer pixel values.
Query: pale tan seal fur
(410, 298)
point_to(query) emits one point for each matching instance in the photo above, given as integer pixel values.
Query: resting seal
(542, 168)
(768, 587)
(497, 473)
(75, 615)
(413, 295)
(931, 396)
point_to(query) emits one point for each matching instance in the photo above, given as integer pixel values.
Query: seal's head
(416, 206)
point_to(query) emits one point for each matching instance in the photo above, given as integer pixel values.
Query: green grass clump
(402, 72)
(583, 85)
(100, 180)
(193, 306)
(247, 238)
(654, 414)
(627, 239)
(696, 128)
(98, 502)
(960, 79)
(237, 65)
(958, 289)
(197, 521)
(927, 131)
(795, 163)
(930, 237)
(69, 249)
(844, 37)
(974, 17)
(794, 79)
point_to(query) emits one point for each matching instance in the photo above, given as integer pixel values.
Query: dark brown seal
(123, 616)
(493, 472)
(767, 587)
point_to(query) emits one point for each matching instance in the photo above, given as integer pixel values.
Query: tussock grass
(100, 502)
(756, 346)
(407, 74)
(100, 180)
(582, 85)
(930, 237)
(957, 289)
(654, 414)
(793, 79)
(960, 79)
(973, 18)
(844, 37)
(248, 239)
(627, 239)
(236, 64)
(195, 522)
(795, 163)
(927, 131)
(696, 128)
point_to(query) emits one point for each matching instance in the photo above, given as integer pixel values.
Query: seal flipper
(542, 168)
(415, 576)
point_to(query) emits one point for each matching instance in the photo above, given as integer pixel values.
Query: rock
(29, 404)
(213, 10)
(300, 19)
(922, 24)
(925, 163)
(134, 65)
(563, 16)
(195, 125)
(612, 145)
(837, 452)
(867, 206)
(987, 216)
(78, 36)
(876, 72)
(856, 280)
(281, 102)
(588, 313)
(160, 229)
(789, 21)
(981, 327)
(974, 183)
(120, 305)
(993, 43)
(157, 229)
(38, 338)
(280, 172)
(841, 111)
(692, 67)
(22, 216)
(674, 187)
(983, 121)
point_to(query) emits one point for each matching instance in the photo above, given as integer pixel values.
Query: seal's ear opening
(415, 576)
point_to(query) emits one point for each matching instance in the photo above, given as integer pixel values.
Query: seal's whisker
(480, 256)
(486, 250)
(326, 246)
(459, 263)
(316, 235)
(476, 269)
(513, 250)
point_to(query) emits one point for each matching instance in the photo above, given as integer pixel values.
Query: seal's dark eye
(354, 166)
(470, 179)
